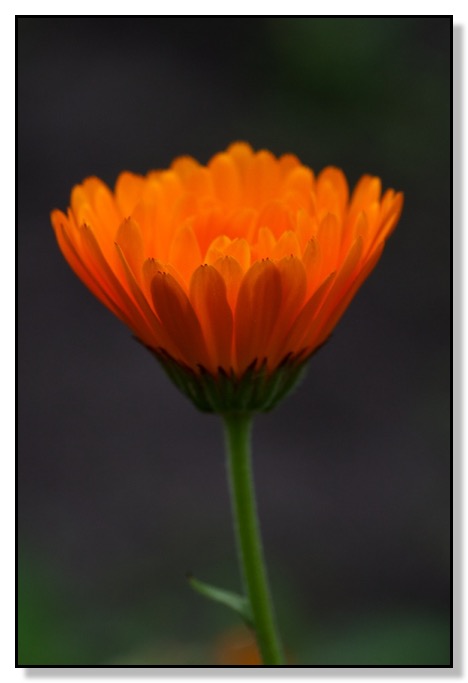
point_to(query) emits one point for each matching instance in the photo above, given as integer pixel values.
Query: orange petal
(105, 207)
(275, 216)
(312, 260)
(262, 179)
(337, 293)
(232, 274)
(199, 182)
(207, 225)
(152, 267)
(222, 246)
(184, 167)
(293, 287)
(392, 218)
(372, 213)
(184, 209)
(362, 227)
(287, 245)
(306, 228)
(130, 242)
(366, 192)
(79, 200)
(76, 263)
(332, 190)
(209, 300)
(265, 244)
(258, 305)
(128, 190)
(294, 340)
(329, 239)
(171, 186)
(159, 337)
(92, 203)
(117, 291)
(243, 154)
(346, 272)
(342, 305)
(239, 249)
(242, 223)
(300, 179)
(154, 220)
(293, 284)
(226, 179)
(287, 163)
(179, 320)
(216, 249)
(184, 253)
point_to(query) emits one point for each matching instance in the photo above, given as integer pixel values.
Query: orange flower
(237, 647)
(241, 266)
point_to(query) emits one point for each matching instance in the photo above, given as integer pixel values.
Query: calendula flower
(232, 273)
(237, 647)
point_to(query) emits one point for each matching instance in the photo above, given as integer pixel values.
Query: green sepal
(257, 390)
(236, 602)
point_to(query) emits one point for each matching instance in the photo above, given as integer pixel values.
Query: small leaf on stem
(238, 603)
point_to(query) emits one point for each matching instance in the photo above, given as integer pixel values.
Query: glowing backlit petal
(209, 299)
(258, 304)
(179, 320)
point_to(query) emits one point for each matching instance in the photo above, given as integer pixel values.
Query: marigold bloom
(239, 268)
(237, 647)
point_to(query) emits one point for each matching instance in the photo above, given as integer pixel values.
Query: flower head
(231, 272)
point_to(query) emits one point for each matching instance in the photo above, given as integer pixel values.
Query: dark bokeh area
(122, 485)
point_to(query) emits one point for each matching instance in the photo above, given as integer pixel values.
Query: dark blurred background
(121, 482)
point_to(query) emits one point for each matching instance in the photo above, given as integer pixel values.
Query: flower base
(256, 390)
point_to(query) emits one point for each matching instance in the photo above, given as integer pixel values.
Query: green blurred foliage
(369, 81)
(47, 632)
(61, 623)
(56, 628)
(382, 640)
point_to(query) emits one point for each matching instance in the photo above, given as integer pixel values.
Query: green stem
(238, 430)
